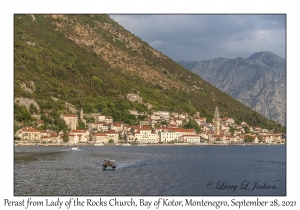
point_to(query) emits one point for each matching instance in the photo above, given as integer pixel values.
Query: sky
(196, 37)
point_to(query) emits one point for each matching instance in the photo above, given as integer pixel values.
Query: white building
(190, 138)
(29, 134)
(172, 134)
(100, 126)
(117, 126)
(145, 135)
(164, 114)
(100, 138)
(77, 136)
(112, 135)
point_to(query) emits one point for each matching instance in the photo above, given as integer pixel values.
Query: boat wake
(137, 164)
(70, 149)
(126, 165)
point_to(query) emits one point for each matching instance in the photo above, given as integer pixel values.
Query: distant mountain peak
(257, 81)
(263, 54)
(268, 58)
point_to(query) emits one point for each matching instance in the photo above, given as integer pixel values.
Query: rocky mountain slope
(91, 62)
(258, 81)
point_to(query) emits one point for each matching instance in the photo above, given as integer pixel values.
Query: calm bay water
(150, 170)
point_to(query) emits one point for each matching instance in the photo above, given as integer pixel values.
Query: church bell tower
(216, 122)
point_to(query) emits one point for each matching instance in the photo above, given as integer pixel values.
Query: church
(217, 137)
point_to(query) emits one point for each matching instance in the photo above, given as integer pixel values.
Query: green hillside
(92, 62)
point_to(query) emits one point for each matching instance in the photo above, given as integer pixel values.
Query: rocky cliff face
(258, 81)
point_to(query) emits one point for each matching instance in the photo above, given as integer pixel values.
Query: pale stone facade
(173, 134)
(144, 122)
(128, 136)
(118, 126)
(79, 136)
(216, 122)
(29, 134)
(100, 126)
(111, 134)
(100, 118)
(108, 120)
(190, 138)
(145, 135)
(100, 138)
(71, 120)
(105, 137)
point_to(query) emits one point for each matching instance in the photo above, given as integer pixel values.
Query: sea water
(150, 170)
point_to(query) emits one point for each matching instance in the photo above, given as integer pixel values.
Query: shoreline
(176, 144)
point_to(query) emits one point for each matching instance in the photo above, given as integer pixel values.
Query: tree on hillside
(66, 137)
(32, 109)
(81, 125)
(192, 124)
(142, 117)
(21, 113)
(248, 138)
(260, 138)
(246, 129)
(231, 130)
(60, 124)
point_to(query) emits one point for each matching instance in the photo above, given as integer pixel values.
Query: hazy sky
(200, 37)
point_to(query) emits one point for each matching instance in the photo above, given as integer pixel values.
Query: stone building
(145, 135)
(29, 134)
(71, 120)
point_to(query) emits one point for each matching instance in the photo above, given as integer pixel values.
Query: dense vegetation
(64, 71)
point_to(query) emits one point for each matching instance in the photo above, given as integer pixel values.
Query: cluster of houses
(159, 127)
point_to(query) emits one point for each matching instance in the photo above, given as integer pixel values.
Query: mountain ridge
(257, 81)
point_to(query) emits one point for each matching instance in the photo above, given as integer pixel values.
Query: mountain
(63, 63)
(258, 81)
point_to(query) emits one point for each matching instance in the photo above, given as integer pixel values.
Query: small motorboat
(109, 165)
(74, 147)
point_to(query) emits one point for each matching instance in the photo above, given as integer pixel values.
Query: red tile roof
(99, 134)
(111, 131)
(179, 130)
(78, 131)
(146, 128)
(29, 129)
(117, 124)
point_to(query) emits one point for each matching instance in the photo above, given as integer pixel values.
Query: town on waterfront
(154, 128)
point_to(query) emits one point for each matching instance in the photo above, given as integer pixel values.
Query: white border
(8, 8)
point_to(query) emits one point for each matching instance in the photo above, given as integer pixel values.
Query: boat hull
(106, 168)
(108, 165)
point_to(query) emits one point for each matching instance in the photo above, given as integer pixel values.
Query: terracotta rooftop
(179, 130)
(99, 134)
